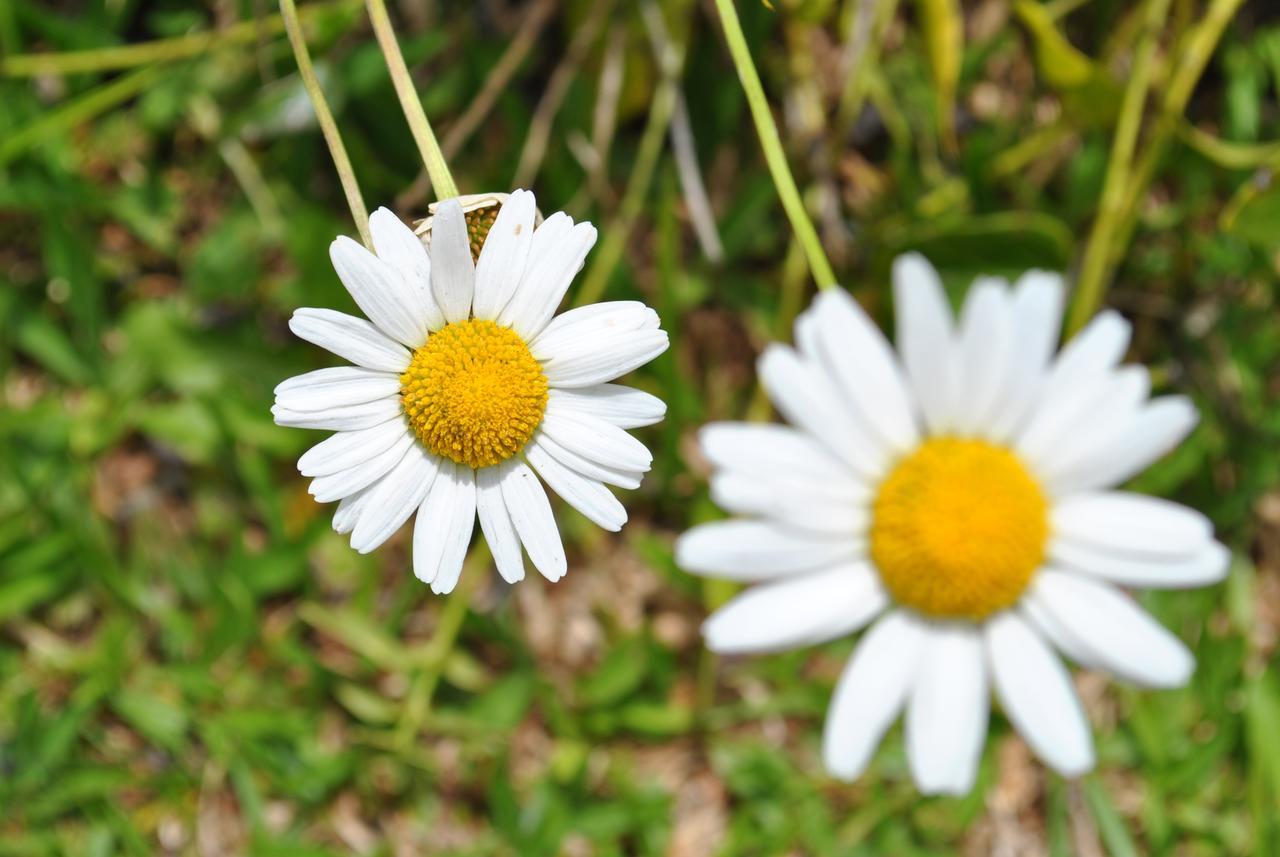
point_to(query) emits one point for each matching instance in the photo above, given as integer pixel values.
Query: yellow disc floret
(473, 393)
(958, 529)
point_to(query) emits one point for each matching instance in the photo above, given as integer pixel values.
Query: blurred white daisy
(960, 494)
(465, 384)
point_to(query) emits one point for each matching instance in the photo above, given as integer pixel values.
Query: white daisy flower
(465, 384)
(960, 495)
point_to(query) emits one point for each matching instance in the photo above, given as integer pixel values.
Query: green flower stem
(359, 213)
(149, 53)
(428, 147)
(1095, 269)
(774, 155)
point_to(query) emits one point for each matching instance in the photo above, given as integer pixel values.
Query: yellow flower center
(473, 393)
(958, 528)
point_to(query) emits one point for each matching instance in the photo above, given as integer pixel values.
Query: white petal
(809, 505)
(591, 498)
(1037, 315)
(800, 394)
(925, 339)
(504, 255)
(1036, 692)
(380, 291)
(342, 418)
(1130, 523)
(555, 259)
(947, 711)
(629, 479)
(603, 356)
(760, 449)
(984, 352)
(530, 511)
(759, 550)
(349, 511)
(597, 440)
(624, 407)
(603, 321)
(861, 360)
(395, 244)
(1110, 418)
(453, 274)
(1079, 414)
(870, 693)
(1205, 567)
(1157, 429)
(339, 386)
(1103, 628)
(495, 522)
(443, 530)
(350, 338)
(803, 611)
(1091, 353)
(344, 483)
(392, 500)
(349, 448)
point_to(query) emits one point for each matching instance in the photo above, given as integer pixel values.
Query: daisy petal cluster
(957, 497)
(467, 387)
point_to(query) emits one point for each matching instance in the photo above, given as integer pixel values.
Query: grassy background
(192, 662)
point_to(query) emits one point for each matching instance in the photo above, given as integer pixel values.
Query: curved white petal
(1078, 416)
(1103, 628)
(1091, 353)
(341, 418)
(768, 450)
(350, 338)
(443, 529)
(603, 356)
(1206, 566)
(593, 438)
(947, 711)
(335, 387)
(591, 498)
(344, 483)
(559, 249)
(504, 255)
(984, 352)
(348, 448)
(865, 368)
(1036, 692)
(1130, 523)
(925, 338)
(453, 274)
(624, 407)
(1153, 432)
(870, 693)
(759, 550)
(495, 522)
(803, 611)
(809, 505)
(1037, 321)
(800, 393)
(380, 291)
(395, 243)
(629, 479)
(392, 500)
(531, 514)
(605, 322)
(349, 511)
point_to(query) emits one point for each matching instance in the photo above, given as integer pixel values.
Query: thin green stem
(770, 141)
(350, 187)
(428, 147)
(1094, 269)
(148, 53)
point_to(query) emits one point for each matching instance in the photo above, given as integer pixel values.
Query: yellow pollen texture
(473, 393)
(958, 529)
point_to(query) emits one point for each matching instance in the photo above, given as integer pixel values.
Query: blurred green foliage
(192, 662)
